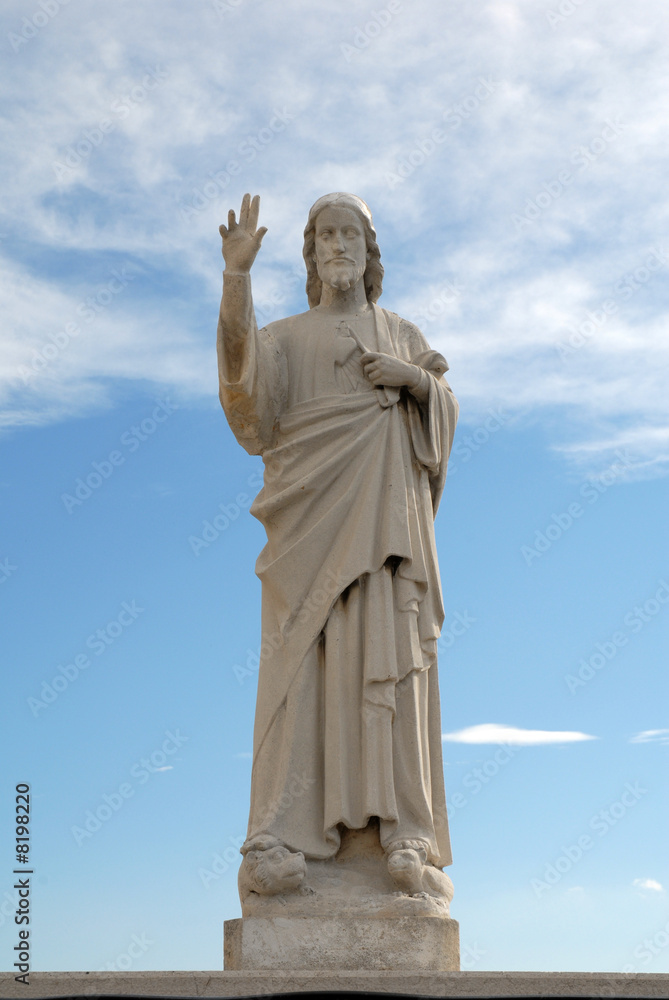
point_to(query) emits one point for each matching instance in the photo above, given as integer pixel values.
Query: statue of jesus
(349, 409)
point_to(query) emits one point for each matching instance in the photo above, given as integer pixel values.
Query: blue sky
(511, 153)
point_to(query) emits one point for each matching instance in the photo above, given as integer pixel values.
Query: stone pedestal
(420, 944)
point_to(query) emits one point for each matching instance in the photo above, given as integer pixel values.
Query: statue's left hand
(384, 369)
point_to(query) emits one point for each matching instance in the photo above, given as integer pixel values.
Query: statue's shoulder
(407, 331)
(282, 330)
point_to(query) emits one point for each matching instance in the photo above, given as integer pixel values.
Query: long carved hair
(373, 276)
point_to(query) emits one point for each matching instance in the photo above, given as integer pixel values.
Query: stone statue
(350, 411)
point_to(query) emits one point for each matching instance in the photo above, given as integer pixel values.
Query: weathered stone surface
(428, 944)
(355, 882)
(426, 984)
(348, 406)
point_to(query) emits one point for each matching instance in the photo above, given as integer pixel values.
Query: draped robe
(347, 720)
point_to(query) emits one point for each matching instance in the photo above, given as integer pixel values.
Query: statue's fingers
(253, 212)
(223, 230)
(244, 212)
(259, 235)
(232, 222)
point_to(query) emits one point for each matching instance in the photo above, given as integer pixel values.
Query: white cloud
(493, 732)
(54, 370)
(517, 105)
(648, 883)
(651, 736)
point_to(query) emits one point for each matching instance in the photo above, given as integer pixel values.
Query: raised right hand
(241, 240)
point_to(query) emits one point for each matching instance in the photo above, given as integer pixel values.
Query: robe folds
(347, 720)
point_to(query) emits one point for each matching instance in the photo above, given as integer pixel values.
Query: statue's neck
(343, 302)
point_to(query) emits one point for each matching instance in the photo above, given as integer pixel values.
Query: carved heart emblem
(344, 347)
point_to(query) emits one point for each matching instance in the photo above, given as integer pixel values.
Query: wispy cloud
(493, 732)
(651, 736)
(530, 197)
(648, 883)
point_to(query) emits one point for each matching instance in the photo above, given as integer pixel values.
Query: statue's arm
(237, 329)
(236, 324)
(432, 420)
(419, 385)
(250, 363)
(431, 366)
(384, 369)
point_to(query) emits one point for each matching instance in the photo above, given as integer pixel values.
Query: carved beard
(342, 278)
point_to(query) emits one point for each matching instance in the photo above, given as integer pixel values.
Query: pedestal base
(454, 985)
(420, 944)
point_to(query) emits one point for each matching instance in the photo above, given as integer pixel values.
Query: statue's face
(341, 248)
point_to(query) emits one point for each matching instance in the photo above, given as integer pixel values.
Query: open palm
(241, 240)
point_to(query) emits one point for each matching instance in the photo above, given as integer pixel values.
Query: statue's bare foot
(269, 868)
(410, 872)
